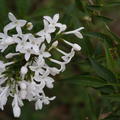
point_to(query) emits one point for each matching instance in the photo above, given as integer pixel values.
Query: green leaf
(103, 72)
(112, 4)
(114, 35)
(79, 5)
(104, 37)
(87, 46)
(109, 58)
(85, 81)
(94, 7)
(102, 18)
(114, 97)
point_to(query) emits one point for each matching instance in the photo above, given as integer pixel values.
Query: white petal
(38, 105)
(45, 24)
(9, 27)
(27, 56)
(56, 18)
(43, 47)
(11, 17)
(18, 29)
(49, 19)
(48, 38)
(51, 29)
(2, 35)
(41, 33)
(46, 54)
(16, 111)
(79, 35)
(59, 25)
(22, 22)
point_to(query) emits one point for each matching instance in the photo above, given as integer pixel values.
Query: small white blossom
(76, 32)
(75, 46)
(25, 70)
(45, 33)
(14, 24)
(4, 93)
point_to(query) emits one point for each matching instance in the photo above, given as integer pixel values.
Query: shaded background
(75, 100)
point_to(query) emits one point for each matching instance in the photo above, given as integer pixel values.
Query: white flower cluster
(24, 70)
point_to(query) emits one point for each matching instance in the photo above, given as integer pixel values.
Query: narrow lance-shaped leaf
(109, 58)
(104, 37)
(85, 81)
(103, 72)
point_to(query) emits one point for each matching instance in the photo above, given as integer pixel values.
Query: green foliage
(89, 89)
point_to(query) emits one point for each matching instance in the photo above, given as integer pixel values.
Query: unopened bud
(29, 26)
(24, 70)
(76, 47)
(23, 86)
(55, 44)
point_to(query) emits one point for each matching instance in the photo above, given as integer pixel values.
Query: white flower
(45, 100)
(76, 32)
(16, 106)
(62, 64)
(67, 56)
(2, 79)
(43, 53)
(38, 104)
(54, 45)
(26, 47)
(5, 41)
(15, 23)
(34, 73)
(45, 33)
(23, 85)
(3, 65)
(39, 82)
(54, 22)
(3, 97)
(49, 82)
(75, 46)
(24, 70)
(23, 94)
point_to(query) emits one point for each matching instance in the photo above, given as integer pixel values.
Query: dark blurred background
(73, 101)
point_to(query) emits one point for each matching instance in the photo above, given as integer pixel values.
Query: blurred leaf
(103, 18)
(3, 12)
(113, 4)
(94, 7)
(114, 97)
(87, 46)
(114, 35)
(23, 7)
(104, 37)
(79, 5)
(109, 58)
(85, 81)
(102, 71)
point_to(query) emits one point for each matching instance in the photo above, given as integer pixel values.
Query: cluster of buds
(27, 64)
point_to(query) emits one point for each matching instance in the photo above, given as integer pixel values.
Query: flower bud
(23, 86)
(16, 111)
(29, 26)
(76, 47)
(55, 44)
(24, 70)
(46, 101)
